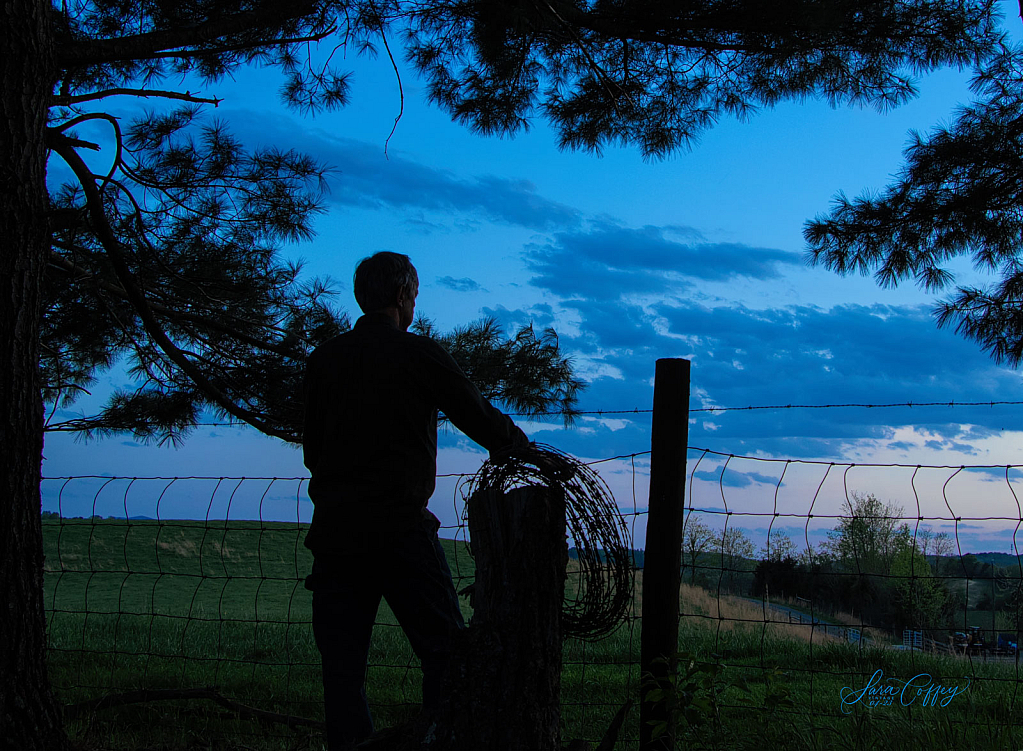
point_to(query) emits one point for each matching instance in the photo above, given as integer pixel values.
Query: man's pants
(410, 572)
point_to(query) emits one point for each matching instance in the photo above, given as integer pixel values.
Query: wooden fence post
(662, 560)
(508, 672)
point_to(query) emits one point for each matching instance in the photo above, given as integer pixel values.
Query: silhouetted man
(372, 396)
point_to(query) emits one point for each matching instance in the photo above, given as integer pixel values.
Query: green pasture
(170, 605)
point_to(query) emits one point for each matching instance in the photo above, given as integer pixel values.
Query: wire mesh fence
(865, 584)
(818, 589)
(191, 588)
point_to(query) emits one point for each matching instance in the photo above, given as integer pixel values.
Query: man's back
(372, 397)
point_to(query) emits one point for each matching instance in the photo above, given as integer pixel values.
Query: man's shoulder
(379, 338)
(333, 344)
(422, 342)
(431, 350)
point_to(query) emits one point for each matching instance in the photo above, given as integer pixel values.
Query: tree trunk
(507, 680)
(29, 715)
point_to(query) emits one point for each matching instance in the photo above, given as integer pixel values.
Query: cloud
(619, 326)
(607, 261)
(366, 178)
(422, 226)
(464, 284)
(992, 474)
(735, 479)
(964, 448)
(874, 354)
(856, 354)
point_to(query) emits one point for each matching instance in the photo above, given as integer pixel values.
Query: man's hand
(549, 463)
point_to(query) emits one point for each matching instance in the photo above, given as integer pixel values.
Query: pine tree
(958, 195)
(170, 263)
(131, 262)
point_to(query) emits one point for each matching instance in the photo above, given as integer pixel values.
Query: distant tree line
(872, 565)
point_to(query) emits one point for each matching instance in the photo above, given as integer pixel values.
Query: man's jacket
(371, 398)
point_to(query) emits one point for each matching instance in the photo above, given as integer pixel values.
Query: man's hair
(379, 278)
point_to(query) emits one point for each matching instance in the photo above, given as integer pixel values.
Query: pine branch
(242, 46)
(145, 46)
(174, 314)
(112, 246)
(66, 100)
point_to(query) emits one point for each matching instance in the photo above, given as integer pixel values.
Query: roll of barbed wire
(595, 526)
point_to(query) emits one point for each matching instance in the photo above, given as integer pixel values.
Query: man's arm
(463, 404)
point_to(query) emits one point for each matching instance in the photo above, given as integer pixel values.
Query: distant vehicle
(970, 641)
(977, 643)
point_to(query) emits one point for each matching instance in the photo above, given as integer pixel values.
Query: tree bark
(29, 715)
(507, 680)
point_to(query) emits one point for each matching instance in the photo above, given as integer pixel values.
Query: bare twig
(118, 141)
(401, 91)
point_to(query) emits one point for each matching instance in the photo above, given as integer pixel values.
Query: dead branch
(66, 100)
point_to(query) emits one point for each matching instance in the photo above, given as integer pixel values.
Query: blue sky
(697, 256)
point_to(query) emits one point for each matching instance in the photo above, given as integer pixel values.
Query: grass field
(165, 605)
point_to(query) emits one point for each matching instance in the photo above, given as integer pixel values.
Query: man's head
(386, 281)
